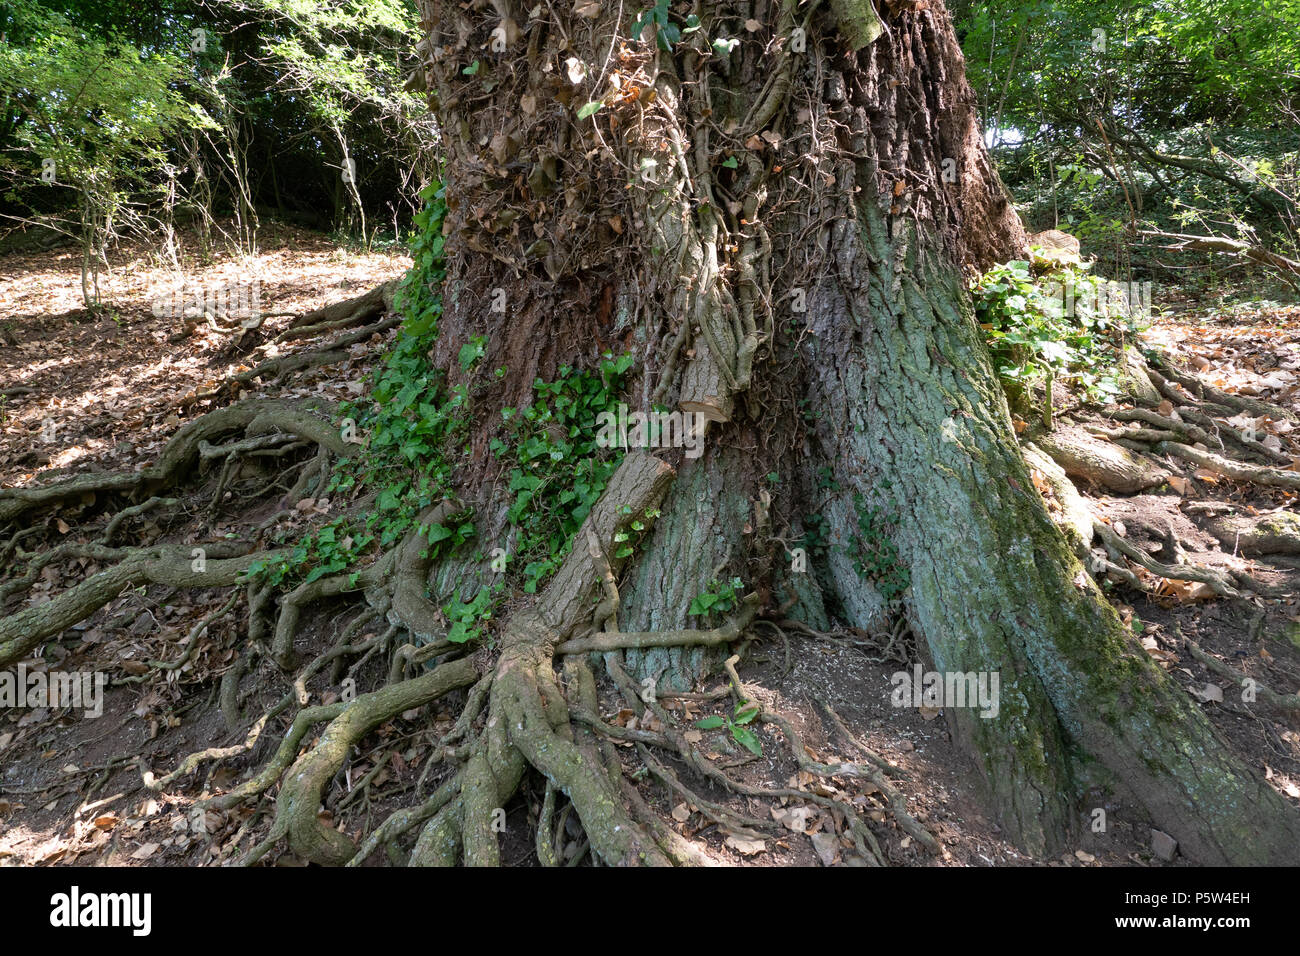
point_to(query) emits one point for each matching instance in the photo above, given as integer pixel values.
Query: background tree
(230, 109)
(90, 117)
(1143, 116)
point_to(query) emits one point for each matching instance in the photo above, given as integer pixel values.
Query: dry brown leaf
(745, 845)
(793, 818)
(1212, 692)
(827, 848)
(576, 70)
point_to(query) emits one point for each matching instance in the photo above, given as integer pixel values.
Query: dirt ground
(104, 392)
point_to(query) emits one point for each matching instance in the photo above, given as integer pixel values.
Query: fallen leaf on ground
(745, 845)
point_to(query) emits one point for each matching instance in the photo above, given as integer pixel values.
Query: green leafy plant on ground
(666, 31)
(744, 713)
(1060, 323)
(468, 619)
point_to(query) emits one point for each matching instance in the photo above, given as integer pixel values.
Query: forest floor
(105, 393)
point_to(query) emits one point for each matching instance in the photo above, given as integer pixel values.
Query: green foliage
(816, 536)
(1060, 324)
(96, 105)
(874, 554)
(469, 618)
(178, 101)
(416, 426)
(471, 352)
(744, 713)
(1191, 60)
(719, 598)
(1102, 114)
(666, 31)
(100, 109)
(412, 416)
(559, 470)
(411, 419)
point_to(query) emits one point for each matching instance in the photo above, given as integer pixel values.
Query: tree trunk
(777, 230)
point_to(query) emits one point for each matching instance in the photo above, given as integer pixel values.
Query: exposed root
(191, 640)
(279, 369)
(405, 820)
(1073, 516)
(300, 797)
(1262, 475)
(1262, 535)
(843, 732)
(170, 565)
(723, 634)
(896, 803)
(410, 574)
(194, 760)
(134, 511)
(1165, 371)
(255, 417)
(1172, 429)
(1219, 583)
(1100, 462)
(337, 315)
(1251, 688)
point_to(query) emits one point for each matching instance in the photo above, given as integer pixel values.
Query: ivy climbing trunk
(770, 205)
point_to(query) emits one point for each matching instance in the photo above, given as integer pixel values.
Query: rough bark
(906, 389)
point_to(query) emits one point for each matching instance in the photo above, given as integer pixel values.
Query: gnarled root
(171, 565)
(300, 797)
(254, 417)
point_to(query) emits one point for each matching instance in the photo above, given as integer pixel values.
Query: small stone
(1163, 845)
